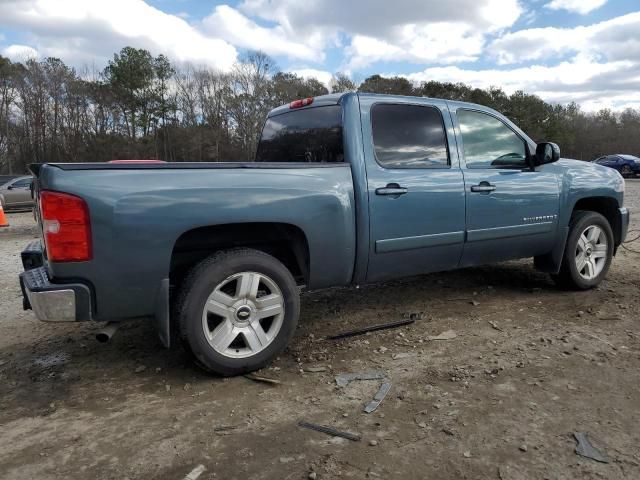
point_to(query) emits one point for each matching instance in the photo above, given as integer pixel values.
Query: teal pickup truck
(344, 189)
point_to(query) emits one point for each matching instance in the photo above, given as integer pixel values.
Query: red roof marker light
(303, 102)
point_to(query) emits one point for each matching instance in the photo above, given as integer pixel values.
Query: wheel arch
(605, 206)
(608, 207)
(286, 242)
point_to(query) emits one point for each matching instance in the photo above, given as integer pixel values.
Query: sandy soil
(529, 365)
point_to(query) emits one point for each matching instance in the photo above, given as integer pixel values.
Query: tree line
(141, 106)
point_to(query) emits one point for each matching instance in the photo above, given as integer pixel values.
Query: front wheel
(588, 252)
(237, 309)
(626, 171)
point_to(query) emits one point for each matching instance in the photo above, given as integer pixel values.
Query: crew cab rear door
(512, 211)
(415, 187)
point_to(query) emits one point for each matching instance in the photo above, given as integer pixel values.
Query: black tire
(201, 282)
(626, 171)
(569, 277)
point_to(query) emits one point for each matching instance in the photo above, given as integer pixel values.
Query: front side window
(409, 136)
(24, 183)
(312, 135)
(489, 143)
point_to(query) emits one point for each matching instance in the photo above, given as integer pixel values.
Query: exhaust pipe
(104, 335)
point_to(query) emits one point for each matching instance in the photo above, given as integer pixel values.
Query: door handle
(391, 189)
(483, 187)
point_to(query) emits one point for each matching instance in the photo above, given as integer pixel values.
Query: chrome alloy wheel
(243, 314)
(591, 252)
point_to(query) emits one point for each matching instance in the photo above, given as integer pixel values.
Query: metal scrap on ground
(495, 326)
(345, 378)
(354, 437)
(448, 335)
(372, 328)
(258, 378)
(378, 397)
(195, 473)
(585, 449)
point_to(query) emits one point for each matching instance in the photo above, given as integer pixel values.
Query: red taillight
(303, 102)
(66, 226)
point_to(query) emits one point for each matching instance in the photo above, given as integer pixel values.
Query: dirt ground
(529, 365)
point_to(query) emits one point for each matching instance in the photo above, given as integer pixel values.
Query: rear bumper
(51, 302)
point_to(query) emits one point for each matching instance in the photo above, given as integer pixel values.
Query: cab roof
(336, 98)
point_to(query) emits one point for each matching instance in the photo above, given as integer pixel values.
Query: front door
(19, 193)
(512, 211)
(415, 188)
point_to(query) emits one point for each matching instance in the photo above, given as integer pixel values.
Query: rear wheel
(588, 253)
(237, 310)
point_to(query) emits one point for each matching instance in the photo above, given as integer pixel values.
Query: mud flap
(161, 317)
(552, 261)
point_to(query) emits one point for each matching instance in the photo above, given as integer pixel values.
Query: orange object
(3, 218)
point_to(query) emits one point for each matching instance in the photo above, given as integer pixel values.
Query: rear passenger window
(409, 136)
(312, 135)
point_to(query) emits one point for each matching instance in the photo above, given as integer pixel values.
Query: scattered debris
(315, 369)
(225, 428)
(378, 397)
(344, 378)
(448, 335)
(354, 437)
(600, 339)
(467, 454)
(258, 378)
(140, 369)
(195, 473)
(373, 328)
(523, 447)
(495, 326)
(449, 432)
(398, 356)
(52, 360)
(313, 475)
(373, 443)
(474, 303)
(585, 449)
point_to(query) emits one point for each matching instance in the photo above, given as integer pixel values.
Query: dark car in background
(16, 193)
(627, 165)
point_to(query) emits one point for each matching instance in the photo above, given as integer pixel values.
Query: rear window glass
(409, 136)
(312, 135)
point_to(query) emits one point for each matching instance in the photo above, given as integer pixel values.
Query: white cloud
(234, 27)
(88, 30)
(322, 75)
(398, 30)
(578, 6)
(20, 53)
(613, 39)
(584, 80)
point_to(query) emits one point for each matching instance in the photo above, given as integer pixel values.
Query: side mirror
(10, 187)
(546, 152)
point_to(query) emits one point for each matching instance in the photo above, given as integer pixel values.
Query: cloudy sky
(563, 50)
